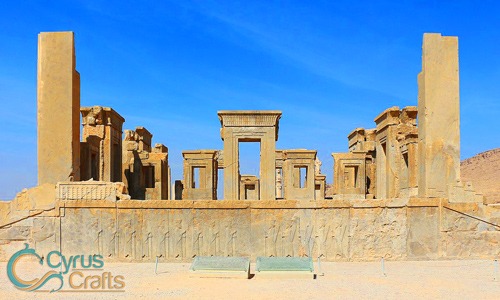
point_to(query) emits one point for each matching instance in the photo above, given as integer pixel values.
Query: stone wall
(336, 230)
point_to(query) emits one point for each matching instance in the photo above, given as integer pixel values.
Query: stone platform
(336, 230)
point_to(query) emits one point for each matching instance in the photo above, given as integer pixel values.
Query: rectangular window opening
(196, 177)
(303, 177)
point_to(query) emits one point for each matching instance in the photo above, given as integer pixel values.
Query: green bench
(284, 267)
(220, 266)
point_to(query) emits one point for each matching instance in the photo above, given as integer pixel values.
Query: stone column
(381, 169)
(387, 149)
(231, 163)
(268, 166)
(439, 116)
(58, 97)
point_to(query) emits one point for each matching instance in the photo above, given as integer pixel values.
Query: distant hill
(483, 170)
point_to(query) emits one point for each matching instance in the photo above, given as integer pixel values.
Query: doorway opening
(249, 158)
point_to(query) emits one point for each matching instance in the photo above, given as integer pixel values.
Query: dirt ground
(341, 280)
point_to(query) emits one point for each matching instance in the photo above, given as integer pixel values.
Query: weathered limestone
(58, 97)
(385, 157)
(249, 126)
(349, 178)
(91, 190)
(249, 187)
(388, 162)
(319, 186)
(145, 170)
(363, 140)
(336, 230)
(299, 165)
(280, 184)
(439, 116)
(387, 153)
(101, 149)
(409, 165)
(200, 175)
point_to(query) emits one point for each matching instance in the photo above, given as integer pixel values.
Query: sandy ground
(341, 280)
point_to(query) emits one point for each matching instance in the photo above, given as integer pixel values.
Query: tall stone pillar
(268, 166)
(58, 97)
(439, 116)
(387, 153)
(232, 166)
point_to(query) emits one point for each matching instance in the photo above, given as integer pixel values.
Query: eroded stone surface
(374, 211)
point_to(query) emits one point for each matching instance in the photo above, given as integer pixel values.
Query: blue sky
(329, 66)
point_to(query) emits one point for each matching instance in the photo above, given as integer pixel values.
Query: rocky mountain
(483, 170)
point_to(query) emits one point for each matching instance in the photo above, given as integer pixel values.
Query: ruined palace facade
(107, 190)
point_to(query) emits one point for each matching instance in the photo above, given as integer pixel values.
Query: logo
(73, 270)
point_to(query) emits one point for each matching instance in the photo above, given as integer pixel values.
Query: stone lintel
(409, 138)
(199, 154)
(160, 148)
(144, 133)
(299, 154)
(348, 155)
(155, 156)
(249, 118)
(355, 136)
(370, 134)
(99, 115)
(249, 178)
(320, 177)
(388, 117)
(409, 115)
(356, 132)
(280, 154)
(144, 137)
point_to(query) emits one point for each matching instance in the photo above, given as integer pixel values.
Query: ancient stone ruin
(397, 191)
